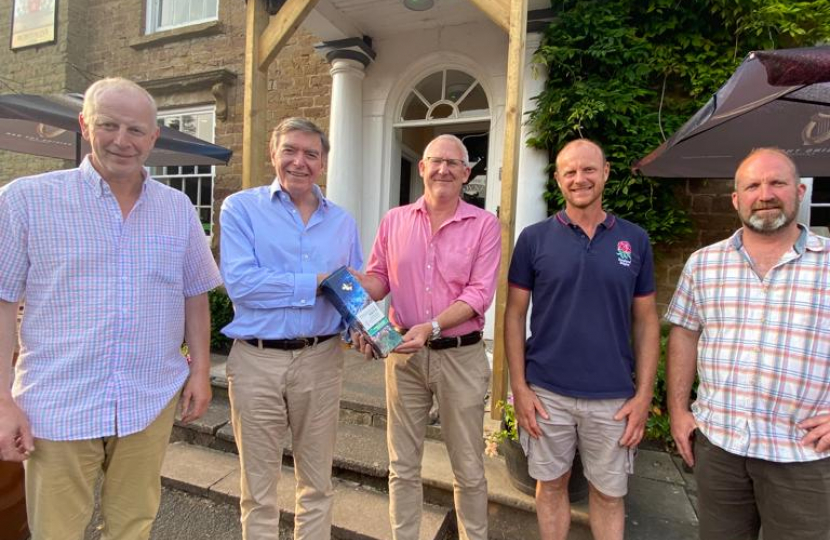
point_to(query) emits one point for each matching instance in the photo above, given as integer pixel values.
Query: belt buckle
(310, 342)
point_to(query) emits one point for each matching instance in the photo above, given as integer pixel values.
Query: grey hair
(296, 123)
(93, 95)
(453, 138)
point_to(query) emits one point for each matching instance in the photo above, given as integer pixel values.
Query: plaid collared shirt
(764, 352)
(104, 300)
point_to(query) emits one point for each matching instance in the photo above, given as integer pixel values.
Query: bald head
(579, 143)
(768, 155)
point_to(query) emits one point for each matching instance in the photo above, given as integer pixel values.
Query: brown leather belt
(449, 342)
(289, 344)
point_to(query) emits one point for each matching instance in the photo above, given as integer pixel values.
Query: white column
(345, 164)
(530, 202)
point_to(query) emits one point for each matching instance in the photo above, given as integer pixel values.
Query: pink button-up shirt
(426, 273)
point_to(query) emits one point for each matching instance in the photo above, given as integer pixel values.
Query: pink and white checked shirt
(427, 273)
(764, 351)
(104, 319)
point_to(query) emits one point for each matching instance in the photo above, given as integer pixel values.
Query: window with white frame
(169, 14)
(196, 181)
(815, 208)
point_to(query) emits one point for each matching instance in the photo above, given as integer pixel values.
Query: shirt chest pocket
(161, 260)
(456, 265)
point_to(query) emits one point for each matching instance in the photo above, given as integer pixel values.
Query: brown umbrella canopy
(48, 126)
(775, 98)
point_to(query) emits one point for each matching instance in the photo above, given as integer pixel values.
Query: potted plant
(505, 441)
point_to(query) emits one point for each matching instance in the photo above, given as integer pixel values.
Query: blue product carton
(359, 311)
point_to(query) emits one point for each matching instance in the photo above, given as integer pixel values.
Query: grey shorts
(587, 424)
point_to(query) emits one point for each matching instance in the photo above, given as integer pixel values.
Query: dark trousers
(738, 496)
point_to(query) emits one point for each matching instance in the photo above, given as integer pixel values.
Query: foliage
(509, 427)
(658, 428)
(628, 73)
(221, 314)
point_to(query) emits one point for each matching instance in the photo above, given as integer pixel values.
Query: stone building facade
(199, 66)
(189, 67)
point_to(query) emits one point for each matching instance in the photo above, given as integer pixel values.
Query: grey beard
(760, 225)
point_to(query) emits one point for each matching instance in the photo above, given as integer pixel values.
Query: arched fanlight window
(445, 95)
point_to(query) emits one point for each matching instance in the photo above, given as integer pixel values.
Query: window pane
(457, 83)
(821, 190)
(442, 111)
(431, 87)
(176, 183)
(414, 108)
(475, 103)
(188, 169)
(820, 216)
(205, 191)
(204, 217)
(191, 189)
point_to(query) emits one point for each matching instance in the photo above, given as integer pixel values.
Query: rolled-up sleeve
(479, 291)
(248, 283)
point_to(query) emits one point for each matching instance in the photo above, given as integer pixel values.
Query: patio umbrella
(47, 125)
(775, 98)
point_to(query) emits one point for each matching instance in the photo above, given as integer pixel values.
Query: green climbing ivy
(628, 73)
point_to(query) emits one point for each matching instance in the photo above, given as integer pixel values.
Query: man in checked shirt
(115, 271)
(751, 317)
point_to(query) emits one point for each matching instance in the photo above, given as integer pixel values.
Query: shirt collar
(609, 221)
(96, 182)
(276, 188)
(464, 210)
(806, 240)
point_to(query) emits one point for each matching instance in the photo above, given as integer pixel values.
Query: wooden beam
(254, 111)
(281, 28)
(497, 11)
(509, 183)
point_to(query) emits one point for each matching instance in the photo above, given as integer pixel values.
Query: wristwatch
(436, 330)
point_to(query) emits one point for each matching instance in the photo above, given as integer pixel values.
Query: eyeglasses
(451, 163)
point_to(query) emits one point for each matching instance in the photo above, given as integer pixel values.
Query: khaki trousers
(61, 477)
(270, 391)
(459, 379)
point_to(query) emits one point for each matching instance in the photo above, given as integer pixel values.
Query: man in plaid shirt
(751, 318)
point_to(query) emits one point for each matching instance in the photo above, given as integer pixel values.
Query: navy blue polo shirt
(582, 291)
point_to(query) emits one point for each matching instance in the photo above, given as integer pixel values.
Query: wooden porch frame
(264, 38)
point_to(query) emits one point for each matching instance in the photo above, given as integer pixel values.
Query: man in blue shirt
(285, 368)
(593, 324)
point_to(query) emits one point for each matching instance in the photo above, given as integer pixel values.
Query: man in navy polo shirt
(584, 378)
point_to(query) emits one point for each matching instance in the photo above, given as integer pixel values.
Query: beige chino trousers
(459, 379)
(272, 391)
(61, 478)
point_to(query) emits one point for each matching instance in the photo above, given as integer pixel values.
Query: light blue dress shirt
(270, 260)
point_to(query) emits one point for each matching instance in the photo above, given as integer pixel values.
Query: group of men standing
(115, 270)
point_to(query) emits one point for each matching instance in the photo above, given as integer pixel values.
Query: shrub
(221, 314)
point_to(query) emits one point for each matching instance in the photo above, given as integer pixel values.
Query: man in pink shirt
(439, 258)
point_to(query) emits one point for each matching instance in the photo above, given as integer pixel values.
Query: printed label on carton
(370, 316)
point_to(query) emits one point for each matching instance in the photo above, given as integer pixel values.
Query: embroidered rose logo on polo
(624, 253)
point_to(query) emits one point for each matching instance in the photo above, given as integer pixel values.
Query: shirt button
(429, 267)
(305, 256)
(302, 301)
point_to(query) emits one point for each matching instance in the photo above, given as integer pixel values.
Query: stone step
(360, 512)
(361, 457)
(362, 401)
